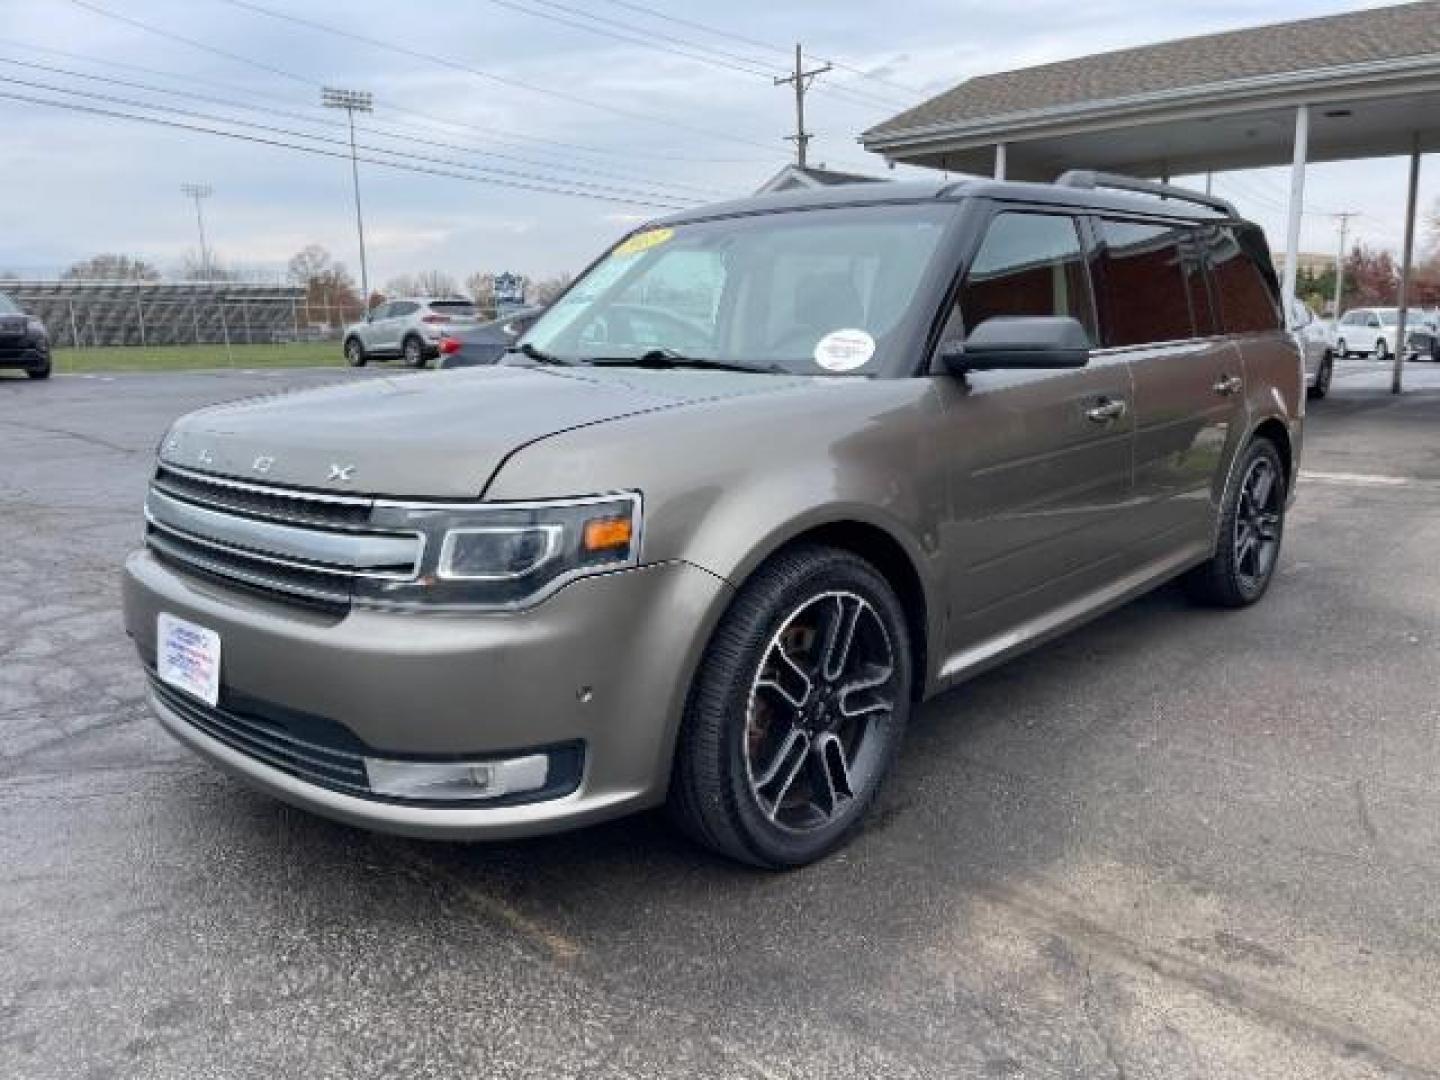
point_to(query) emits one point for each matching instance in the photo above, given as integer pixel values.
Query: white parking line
(1363, 479)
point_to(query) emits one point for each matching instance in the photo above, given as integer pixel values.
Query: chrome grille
(306, 546)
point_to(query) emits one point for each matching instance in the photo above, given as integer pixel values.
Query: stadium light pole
(199, 192)
(353, 101)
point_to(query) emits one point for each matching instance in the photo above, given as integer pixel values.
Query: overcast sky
(568, 107)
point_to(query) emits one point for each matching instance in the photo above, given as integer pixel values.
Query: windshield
(814, 292)
(8, 306)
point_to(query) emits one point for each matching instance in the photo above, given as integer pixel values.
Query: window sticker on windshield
(844, 350)
(644, 241)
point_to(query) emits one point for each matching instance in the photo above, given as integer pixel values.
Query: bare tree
(210, 267)
(480, 287)
(547, 289)
(330, 294)
(435, 283)
(112, 267)
(404, 285)
(307, 264)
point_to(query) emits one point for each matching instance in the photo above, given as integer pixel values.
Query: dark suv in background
(766, 475)
(23, 340)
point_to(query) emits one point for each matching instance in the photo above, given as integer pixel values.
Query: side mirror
(1036, 342)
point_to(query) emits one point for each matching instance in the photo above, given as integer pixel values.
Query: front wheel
(796, 712)
(1382, 351)
(1341, 349)
(1252, 523)
(355, 353)
(414, 352)
(1323, 377)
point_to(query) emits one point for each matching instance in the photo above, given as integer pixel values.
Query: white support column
(1297, 203)
(1000, 161)
(1397, 378)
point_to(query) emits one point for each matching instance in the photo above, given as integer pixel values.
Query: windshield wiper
(538, 355)
(673, 358)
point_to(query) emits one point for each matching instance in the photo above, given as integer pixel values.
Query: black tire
(412, 351)
(1323, 378)
(355, 353)
(1223, 581)
(1382, 351)
(1341, 350)
(39, 372)
(715, 795)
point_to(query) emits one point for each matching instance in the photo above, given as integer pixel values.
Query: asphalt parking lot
(1176, 844)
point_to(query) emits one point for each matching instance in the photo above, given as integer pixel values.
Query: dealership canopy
(1359, 85)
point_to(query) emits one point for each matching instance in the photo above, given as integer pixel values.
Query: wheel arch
(883, 549)
(1274, 429)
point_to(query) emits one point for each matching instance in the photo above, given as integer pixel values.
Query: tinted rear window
(1146, 293)
(1248, 293)
(453, 307)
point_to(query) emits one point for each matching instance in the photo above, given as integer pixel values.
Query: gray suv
(409, 329)
(767, 475)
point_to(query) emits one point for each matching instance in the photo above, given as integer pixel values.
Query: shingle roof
(1375, 34)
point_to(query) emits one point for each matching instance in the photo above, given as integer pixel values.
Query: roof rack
(1086, 178)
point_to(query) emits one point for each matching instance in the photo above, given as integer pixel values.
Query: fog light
(458, 780)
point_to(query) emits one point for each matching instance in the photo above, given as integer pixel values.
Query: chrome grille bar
(305, 546)
(392, 556)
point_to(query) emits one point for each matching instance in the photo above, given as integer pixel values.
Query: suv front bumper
(30, 352)
(604, 664)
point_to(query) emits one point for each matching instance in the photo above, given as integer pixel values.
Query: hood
(438, 436)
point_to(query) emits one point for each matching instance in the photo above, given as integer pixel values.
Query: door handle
(1228, 384)
(1107, 410)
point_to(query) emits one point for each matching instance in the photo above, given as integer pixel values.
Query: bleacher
(96, 313)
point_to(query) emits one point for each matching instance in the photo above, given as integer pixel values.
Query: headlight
(35, 326)
(506, 555)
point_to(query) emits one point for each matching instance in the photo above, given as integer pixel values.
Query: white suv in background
(410, 328)
(1371, 332)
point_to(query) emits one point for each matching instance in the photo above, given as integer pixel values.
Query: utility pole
(198, 192)
(801, 80)
(1344, 219)
(353, 101)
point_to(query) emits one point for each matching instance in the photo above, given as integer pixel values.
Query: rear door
(1157, 310)
(1039, 461)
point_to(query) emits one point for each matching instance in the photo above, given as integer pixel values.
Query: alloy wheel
(1257, 525)
(823, 692)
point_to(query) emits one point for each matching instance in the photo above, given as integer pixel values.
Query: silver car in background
(409, 329)
(1313, 337)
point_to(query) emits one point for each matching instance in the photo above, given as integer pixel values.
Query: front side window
(1028, 265)
(808, 292)
(1147, 296)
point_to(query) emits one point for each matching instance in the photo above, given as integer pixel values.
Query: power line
(291, 133)
(479, 73)
(406, 165)
(718, 32)
(502, 136)
(381, 132)
(650, 39)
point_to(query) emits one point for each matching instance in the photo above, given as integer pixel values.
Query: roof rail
(1086, 178)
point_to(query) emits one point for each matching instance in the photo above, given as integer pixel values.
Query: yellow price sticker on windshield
(644, 241)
